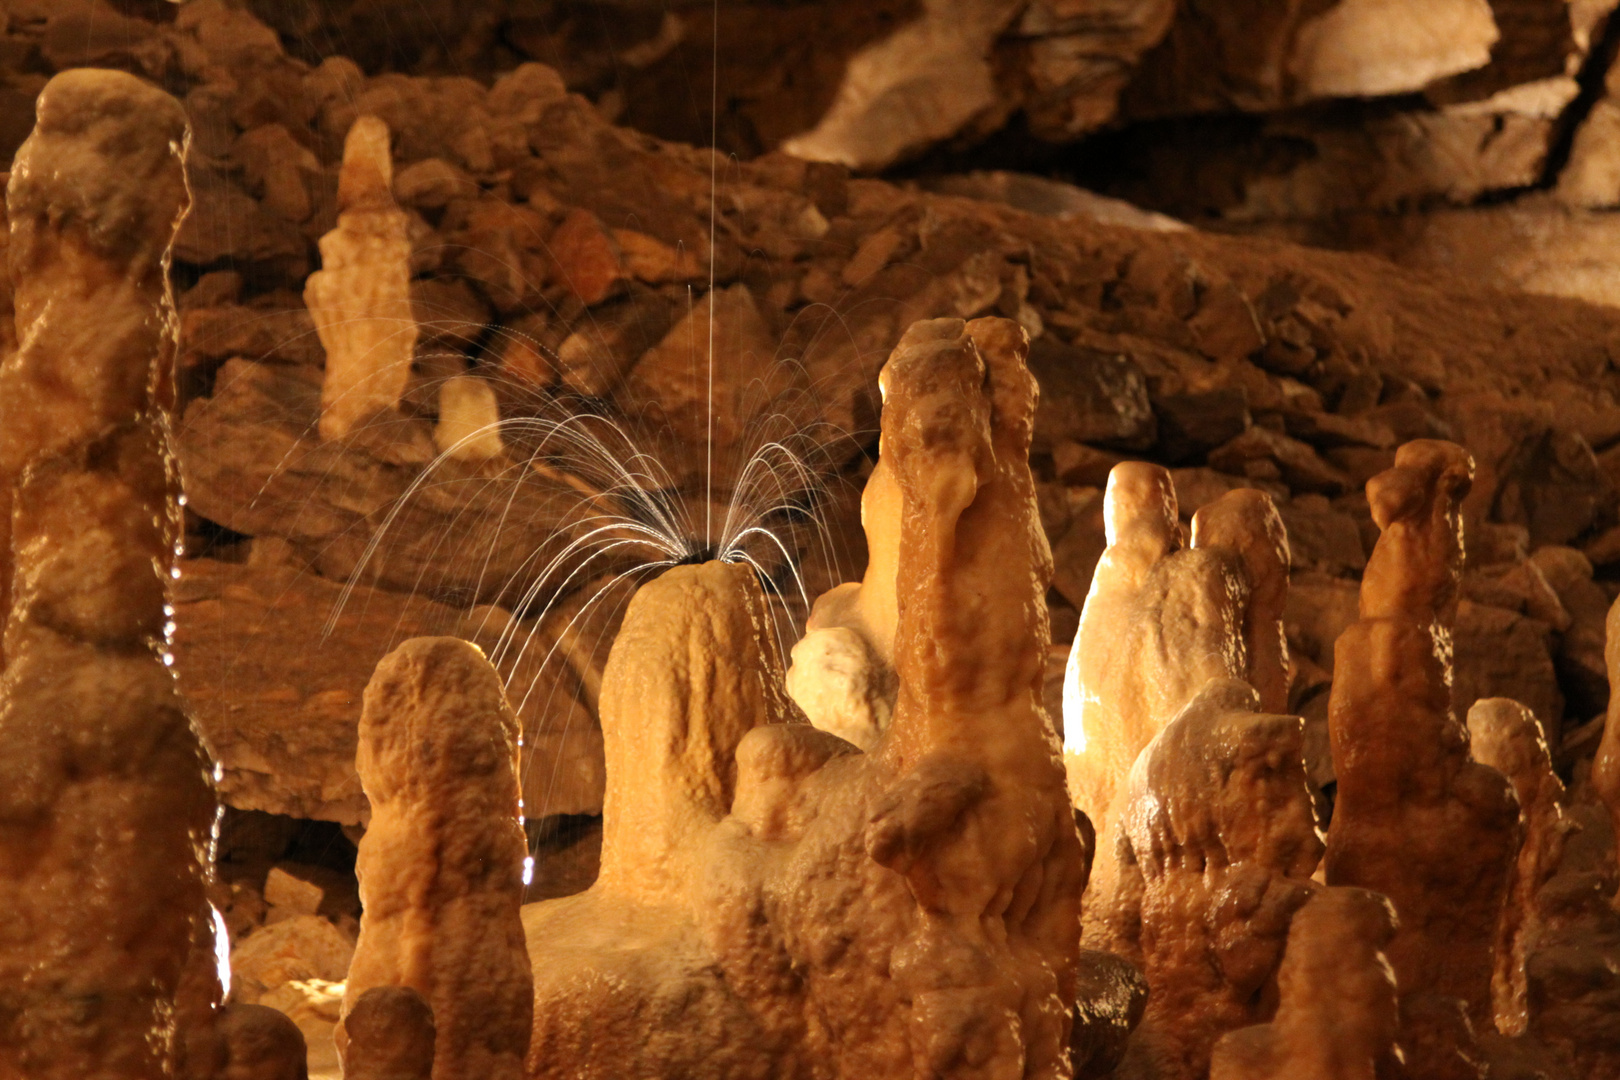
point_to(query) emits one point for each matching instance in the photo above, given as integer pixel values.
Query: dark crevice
(1591, 79)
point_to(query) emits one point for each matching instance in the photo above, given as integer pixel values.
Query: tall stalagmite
(106, 802)
(361, 297)
(774, 902)
(441, 864)
(1415, 817)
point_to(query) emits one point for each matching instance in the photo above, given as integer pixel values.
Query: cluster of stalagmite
(441, 863)
(773, 900)
(106, 800)
(1161, 622)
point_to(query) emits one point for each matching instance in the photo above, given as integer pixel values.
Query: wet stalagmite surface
(106, 796)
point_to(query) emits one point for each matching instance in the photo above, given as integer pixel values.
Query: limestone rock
(282, 716)
(360, 298)
(1222, 829)
(1591, 177)
(1498, 653)
(391, 1036)
(300, 949)
(106, 955)
(1414, 817)
(441, 864)
(315, 1006)
(366, 507)
(724, 338)
(1508, 737)
(469, 426)
(1369, 48)
(833, 862)
(1089, 396)
(1337, 1017)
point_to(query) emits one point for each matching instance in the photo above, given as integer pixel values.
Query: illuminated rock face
(361, 297)
(441, 865)
(1337, 1013)
(1221, 827)
(775, 902)
(1415, 817)
(106, 801)
(1162, 621)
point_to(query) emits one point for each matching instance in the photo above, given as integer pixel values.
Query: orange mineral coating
(1337, 1015)
(106, 798)
(441, 864)
(1222, 827)
(1415, 817)
(360, 299)
(774, 902)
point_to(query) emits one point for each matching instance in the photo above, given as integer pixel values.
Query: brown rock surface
(1337, 1017)
(868, 873)
(105, 787)
(282, 716)
(441, 865)
(391, 1036)
(1221, 827)
(1606, 766)
(1414, 817)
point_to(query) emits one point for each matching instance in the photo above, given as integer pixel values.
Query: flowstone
(441, 864)
(106, 799)
(1415, 818)
(773, 902)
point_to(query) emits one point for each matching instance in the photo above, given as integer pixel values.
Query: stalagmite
(1606, 767)
(1507, 736)
(1160, 622)
(106, 802)
(441, 864)
(390, 1036)
(259, 1043)
(843, 668)
(1337, 1015)
(773, 901)
(1222, 826)
(360, 299)
(469, 420)
(1414, 817)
